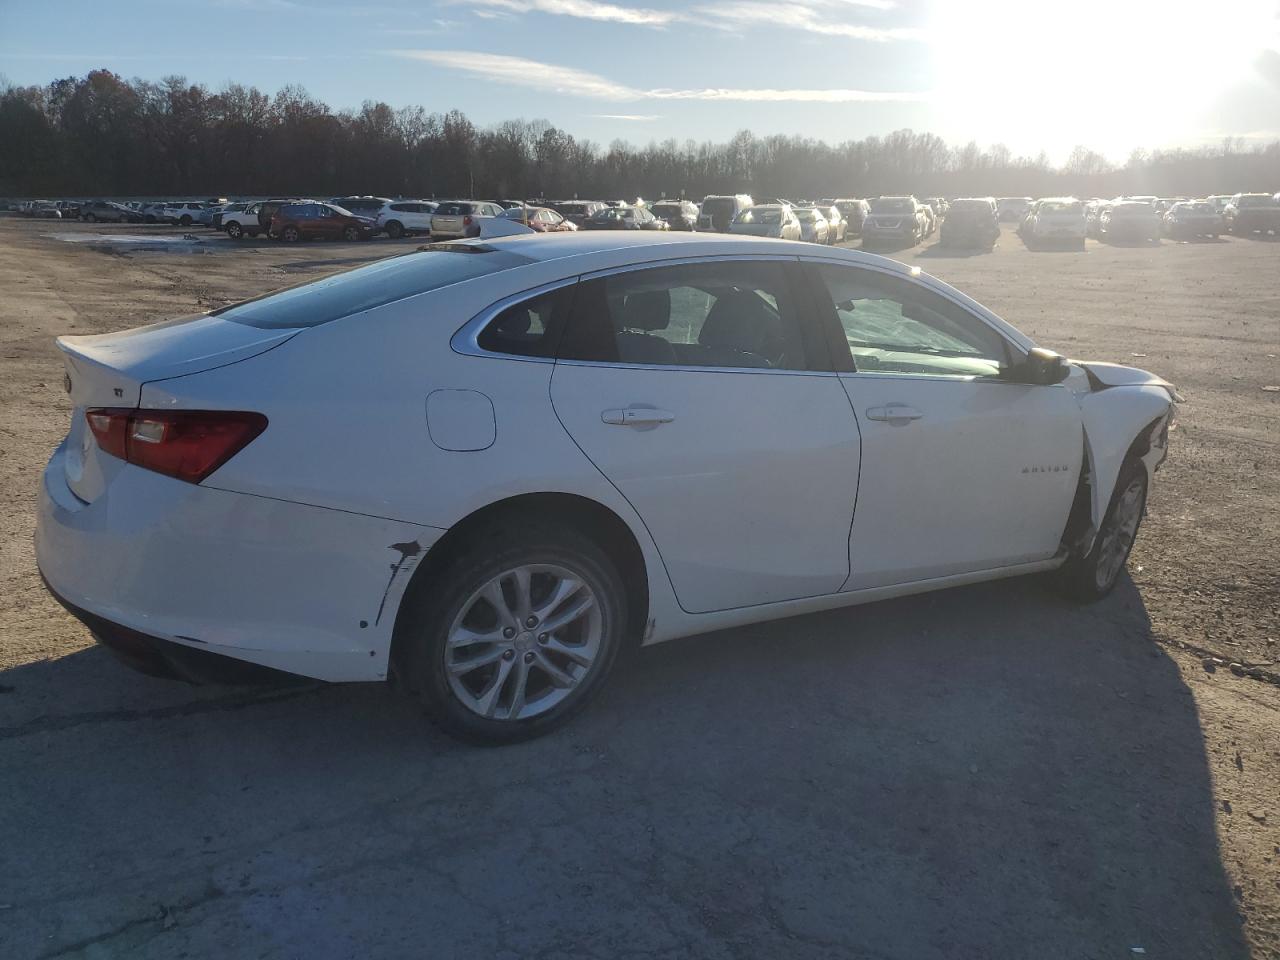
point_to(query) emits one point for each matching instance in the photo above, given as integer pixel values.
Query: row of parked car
(897, 220)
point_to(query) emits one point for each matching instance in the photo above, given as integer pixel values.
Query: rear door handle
(894, 412)
(637, 416)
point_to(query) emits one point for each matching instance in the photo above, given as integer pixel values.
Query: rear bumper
(154, 563)
(158, 657)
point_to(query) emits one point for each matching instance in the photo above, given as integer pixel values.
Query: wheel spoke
(460, 668)
(557, 676)
(576, 654)
(487, 702)
(498, 600)
(569, 614)
(524, 598)
(520, 681)
(465, 637)
(566, 588)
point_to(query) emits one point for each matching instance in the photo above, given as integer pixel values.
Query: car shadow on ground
(983, 772)
(938, 251)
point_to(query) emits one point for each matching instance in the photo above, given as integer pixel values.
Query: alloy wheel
(523, 642)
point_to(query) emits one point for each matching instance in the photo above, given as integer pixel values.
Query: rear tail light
(466, 221)
(185, 444)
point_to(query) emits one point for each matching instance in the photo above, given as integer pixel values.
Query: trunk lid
(109, 370)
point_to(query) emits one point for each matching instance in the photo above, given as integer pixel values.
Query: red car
(540, 219)
(307, 221)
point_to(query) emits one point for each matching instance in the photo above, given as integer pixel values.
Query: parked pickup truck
(1248, 213)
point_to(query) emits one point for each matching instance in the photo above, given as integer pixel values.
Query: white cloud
(815, 16)
(637, 117)
(521, 72)
(525, 73)
(582, 9)
(735, 14)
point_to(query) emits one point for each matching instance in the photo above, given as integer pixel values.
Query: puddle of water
(116, 242)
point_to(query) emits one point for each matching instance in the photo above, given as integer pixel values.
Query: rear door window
(714, 314)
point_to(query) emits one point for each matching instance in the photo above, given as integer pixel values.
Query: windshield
(1059, 206)
(892, 205)
(1131, 210)
(761, 215)
(374, 285)
(807, 216)
(613, 213)
(718, 205)
(342, 211)
(667, 210)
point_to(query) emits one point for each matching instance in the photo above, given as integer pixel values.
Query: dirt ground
(986, 772)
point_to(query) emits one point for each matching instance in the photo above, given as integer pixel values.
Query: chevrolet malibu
(484, 468)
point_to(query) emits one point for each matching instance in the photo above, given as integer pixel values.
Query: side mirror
(1041, 367)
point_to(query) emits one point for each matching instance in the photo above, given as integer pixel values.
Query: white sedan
(485, 467)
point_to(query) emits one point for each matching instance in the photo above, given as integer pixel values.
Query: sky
(1113, 75)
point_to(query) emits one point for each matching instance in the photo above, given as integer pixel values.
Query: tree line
(102, 135)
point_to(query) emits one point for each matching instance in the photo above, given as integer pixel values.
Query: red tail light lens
(185, 444)
(466, 221)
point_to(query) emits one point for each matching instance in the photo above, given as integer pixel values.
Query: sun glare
(1111, 74)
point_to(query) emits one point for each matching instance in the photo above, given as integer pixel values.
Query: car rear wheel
(514, 636)
(1094, 575)
(89, 218)
(395, 230)
(234, 230)
(290, 235)
(185, 220)
(351, 234)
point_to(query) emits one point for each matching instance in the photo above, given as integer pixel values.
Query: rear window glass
(719, 205)
(454, 209)
(374, 285)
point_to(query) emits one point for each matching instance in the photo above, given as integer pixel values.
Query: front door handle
(894, 413)
(637, 416)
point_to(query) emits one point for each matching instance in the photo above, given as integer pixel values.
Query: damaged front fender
(1124, 410)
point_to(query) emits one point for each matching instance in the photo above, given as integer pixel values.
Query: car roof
(643, 246)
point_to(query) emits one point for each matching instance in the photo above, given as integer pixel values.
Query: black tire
(395, 230)
(1084, 578)
(185, 220)
(234, 230)
(89, 218)
(351, 234)
(150, 218)
(290, 235)
(432, 605)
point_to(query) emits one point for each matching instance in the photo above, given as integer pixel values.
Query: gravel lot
(982, 773)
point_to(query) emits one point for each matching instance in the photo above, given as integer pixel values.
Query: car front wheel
(291, 235)
(513, 637)
(395, 230)
(234, 230)
(1094, 575)
(351, 234)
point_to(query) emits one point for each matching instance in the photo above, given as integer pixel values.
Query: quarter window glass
(729, 314)
(897, 326)
(530, 328)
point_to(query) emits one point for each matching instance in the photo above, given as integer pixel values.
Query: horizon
(1112, 77)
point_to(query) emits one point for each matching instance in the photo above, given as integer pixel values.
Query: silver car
(767, 220)
(455, 219)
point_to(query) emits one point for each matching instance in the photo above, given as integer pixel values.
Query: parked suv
(105, 211)
(1054, 220)
(577, 211)
(325, 221)
(970, 222)
(1252, 213)
(717, 212)
(895, 220)
(365, 206)
(404, 216)
(186, 213)
(461, 218)
(679, 214)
